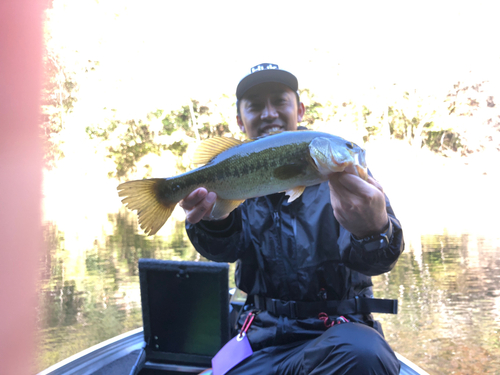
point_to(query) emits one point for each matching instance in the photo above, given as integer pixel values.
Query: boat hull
(111, 357)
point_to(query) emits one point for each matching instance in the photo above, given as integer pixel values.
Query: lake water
(448, 288)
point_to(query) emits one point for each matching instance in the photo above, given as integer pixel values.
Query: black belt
(301, 309)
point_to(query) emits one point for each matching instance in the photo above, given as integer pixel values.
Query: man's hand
(198, 205)
(358, 205)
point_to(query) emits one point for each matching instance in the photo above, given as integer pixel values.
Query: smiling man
(269, 107)
(306, 265)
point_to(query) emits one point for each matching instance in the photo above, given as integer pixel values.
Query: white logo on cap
(263, 67)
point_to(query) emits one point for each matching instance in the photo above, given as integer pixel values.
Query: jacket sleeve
(377, 261)
(219, 242)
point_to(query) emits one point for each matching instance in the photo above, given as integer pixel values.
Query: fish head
(334, 154)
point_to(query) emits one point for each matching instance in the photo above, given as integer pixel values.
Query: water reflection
(449, 317)
(448, 289)
(91, 295)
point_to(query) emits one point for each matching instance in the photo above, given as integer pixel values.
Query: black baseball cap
(266, 72)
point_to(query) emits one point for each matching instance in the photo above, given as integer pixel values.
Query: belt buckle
(287, 308)
(357, 305)
(394, 306)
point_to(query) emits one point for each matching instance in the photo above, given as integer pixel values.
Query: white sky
(158, 53)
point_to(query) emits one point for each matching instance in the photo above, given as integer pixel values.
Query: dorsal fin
(211, 147)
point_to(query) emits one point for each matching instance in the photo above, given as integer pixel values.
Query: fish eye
(349, 145)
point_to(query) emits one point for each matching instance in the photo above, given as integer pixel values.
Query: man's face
(269, 107)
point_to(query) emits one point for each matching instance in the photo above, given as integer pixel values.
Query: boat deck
(118, 355)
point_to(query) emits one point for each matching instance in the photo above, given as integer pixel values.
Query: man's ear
(300, 112)
(240, 124)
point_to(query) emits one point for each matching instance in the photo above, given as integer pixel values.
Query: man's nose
(269, 112)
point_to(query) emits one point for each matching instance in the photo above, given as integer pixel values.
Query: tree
(128, 141)
(475, 115)
(444, 124)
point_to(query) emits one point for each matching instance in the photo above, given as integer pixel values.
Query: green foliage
(464, 121)
(128, 141)
(313, 108)
(134, 142)
(176, 120)
(439, 140)
(476, 116)
(421, 121)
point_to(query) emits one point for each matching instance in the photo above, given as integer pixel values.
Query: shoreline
(430, 193)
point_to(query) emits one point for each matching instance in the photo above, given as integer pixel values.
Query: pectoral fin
(362, 172)
(223, 207)
(360, 164)
(295, 193)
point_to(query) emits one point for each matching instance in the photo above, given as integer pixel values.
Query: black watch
(376, 241)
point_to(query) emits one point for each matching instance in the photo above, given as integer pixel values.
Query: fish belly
(261, 184)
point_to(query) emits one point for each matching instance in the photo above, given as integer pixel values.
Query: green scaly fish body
(271, 164)
(287, 161)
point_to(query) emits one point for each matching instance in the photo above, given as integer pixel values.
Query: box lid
(185, 310)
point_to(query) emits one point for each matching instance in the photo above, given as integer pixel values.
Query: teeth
(273, 129)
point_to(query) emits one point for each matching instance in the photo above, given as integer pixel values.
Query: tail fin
(142, 195)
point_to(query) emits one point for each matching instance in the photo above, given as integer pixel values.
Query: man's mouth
(272, 129)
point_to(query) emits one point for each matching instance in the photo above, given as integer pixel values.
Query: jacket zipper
(277, 221)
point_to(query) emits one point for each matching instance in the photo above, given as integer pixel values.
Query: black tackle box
(185, 311)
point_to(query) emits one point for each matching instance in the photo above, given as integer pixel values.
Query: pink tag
(234, 352)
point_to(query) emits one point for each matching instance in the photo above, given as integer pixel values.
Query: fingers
(375, 183)
(196, 196)
(198, 205)
(336, 186)
(346, 185)
(358, 205)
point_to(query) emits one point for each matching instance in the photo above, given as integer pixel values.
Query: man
(305, 265)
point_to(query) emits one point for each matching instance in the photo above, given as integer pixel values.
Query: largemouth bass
(284, 162)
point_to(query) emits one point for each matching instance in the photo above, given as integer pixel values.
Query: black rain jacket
(293, 251)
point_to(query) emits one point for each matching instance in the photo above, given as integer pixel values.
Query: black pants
(349, 348)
